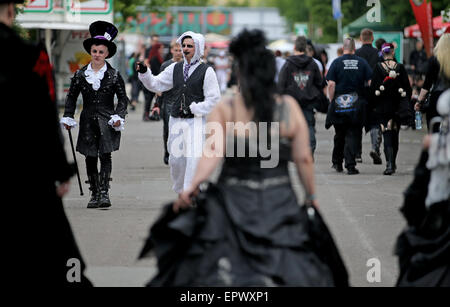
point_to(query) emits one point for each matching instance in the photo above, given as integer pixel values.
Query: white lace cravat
(93, 77)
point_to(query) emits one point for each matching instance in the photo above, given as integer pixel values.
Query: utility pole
(339, 27)
(337, 14)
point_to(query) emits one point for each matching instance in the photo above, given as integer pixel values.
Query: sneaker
(376, 157)
(338, 168)
(352, 171)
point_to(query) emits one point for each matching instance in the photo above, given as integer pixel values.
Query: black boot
(376, 141)
(94, 186)
(389, 153)
(104, 201)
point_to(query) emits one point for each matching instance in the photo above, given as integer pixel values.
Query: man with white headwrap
(195, 84)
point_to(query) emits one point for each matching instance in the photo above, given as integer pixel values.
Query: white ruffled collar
(93, 77)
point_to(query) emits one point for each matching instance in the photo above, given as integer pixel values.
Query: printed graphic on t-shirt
(301, 78)
(346, 103)
(350, 64)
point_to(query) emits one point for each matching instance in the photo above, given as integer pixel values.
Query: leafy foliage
(318, 13)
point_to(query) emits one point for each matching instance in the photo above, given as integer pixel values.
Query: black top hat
(102, 33)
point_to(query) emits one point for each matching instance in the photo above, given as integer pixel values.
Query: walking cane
(76, 165)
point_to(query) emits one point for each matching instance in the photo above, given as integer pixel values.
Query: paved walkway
(362, 211)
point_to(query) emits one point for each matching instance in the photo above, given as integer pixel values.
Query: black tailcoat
(95, 135)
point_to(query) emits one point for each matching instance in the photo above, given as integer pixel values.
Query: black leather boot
(94, 186)
(389, 153)
(104, 201)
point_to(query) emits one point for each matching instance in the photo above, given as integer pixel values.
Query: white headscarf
(199, 41)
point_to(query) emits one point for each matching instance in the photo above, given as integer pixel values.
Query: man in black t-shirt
(367, 51)
(347, 77)
(370, 54)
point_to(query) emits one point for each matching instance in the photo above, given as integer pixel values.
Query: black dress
(38, 241)
(423, 247)
(389, 105)
(246, 230)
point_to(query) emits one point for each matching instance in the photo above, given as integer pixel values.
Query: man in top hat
(100, 121)
(196, 93)
(39, 244)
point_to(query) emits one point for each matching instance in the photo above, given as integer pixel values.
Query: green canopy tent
(354, 28)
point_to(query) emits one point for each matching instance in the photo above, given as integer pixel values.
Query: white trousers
(185, 145)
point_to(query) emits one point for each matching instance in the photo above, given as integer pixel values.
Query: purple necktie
(186, 69)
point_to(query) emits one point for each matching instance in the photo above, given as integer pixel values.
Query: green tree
(321, 16)
(400, 12)
(319, 13)
(238, 3)
(352, 10)
(294, 11)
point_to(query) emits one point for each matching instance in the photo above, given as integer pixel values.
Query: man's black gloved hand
(141, 68)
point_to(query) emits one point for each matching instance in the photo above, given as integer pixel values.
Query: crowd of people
(249, 228)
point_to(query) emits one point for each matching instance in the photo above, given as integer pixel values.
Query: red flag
(424, 17)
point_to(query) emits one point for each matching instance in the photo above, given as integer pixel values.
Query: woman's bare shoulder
(222, 109)
(291, 103)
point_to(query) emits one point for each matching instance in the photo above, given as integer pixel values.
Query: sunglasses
(187, 46)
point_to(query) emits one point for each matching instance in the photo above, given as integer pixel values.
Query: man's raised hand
(141, 68)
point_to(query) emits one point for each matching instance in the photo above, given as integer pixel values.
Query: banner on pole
(424, 17)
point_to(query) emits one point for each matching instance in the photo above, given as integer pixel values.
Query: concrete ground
(362, 211)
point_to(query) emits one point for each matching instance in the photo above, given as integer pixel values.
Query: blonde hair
(174, 43)
(442, 53)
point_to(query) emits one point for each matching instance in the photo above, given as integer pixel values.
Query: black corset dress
(246, 230)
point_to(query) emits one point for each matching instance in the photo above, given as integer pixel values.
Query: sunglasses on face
(187, 46)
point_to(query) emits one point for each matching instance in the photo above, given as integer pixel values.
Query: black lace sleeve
(121, 93)
(72, 96)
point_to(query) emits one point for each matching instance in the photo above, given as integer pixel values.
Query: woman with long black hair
(248, 229)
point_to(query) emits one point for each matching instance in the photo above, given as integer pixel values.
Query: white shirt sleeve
(319, 65)
(211, 91)
(160, 83)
